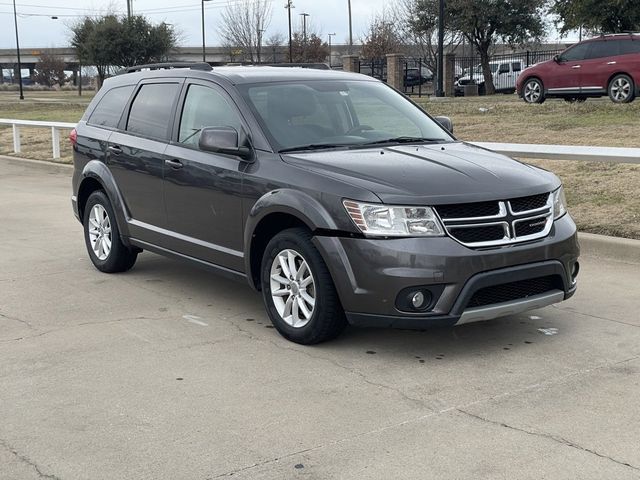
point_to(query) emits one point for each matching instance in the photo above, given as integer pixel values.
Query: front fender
(286, 201)
(98, 171)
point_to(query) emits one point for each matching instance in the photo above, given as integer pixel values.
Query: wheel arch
(96, 176)
(274, 212)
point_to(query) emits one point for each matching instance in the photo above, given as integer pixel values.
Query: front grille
(530, 227)
(515, 290)
(499, 222)
(532, 202)
(478, 234)
(467, 210)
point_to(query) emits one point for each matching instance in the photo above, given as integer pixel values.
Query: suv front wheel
(102, 237)
(298, 290)
(621, 89)
(533, 91)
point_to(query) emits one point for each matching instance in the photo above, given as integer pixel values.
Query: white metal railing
(520, 150)
(55, 132)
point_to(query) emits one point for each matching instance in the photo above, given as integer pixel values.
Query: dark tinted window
(109, 110)
(629, 46)
(577, 52)
(205, 107)
(516, 66)
(151, 110)
(504, 68)
(604, 48)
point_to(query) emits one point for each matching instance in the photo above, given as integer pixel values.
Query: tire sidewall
(290, 240)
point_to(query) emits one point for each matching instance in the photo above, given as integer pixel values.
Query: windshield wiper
(313, 146)
(403, 139)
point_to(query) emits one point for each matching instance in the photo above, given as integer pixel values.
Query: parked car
(417, 76)
(504, 73)
(338, 198)
(606, 65)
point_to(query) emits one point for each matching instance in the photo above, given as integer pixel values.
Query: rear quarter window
(109, 109)
(629, 46)
(152, 109)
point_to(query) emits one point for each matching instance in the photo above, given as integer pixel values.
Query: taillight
(73, 137)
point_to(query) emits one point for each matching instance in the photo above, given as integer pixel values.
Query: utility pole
(129, 8)
(350, 30)
(15, 20)
(304, 26)
(259, 49)
(289, 6)
(204, 58)
(330, 35)
(440, 73)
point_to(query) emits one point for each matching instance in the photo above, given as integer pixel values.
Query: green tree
(483, 22)
(112, 42)
(605, 16)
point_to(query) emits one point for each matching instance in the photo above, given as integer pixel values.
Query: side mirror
(445, 122)
(557, 58)
(225, 140)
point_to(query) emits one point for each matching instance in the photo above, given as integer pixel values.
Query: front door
(203, 190)
(565, 74)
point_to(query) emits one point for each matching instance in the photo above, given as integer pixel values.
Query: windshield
(338, 114)
(492, 66)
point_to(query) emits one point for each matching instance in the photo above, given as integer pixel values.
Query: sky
(37, 29)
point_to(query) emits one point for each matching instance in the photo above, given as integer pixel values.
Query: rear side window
(150, 114)
(109, 110)
(603, 49)
(516, 66)
(629, 46)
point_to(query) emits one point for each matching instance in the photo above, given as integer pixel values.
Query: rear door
(202, 189)
(563, 76)
(136, 155)
(601, 63)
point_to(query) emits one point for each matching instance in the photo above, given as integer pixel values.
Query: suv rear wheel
(102, 237)
(533, 91)
(621, 89)
(298, 290)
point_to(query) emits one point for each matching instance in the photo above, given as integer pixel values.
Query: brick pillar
(449, 74)
(351, 63)
(395, 70)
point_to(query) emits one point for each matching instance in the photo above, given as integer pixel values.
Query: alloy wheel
(293, 289)
(532, 92)
(100, 232)
(621, 89)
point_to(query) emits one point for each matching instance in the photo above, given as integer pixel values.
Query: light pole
(289, 6)
(204, 58)
(15, 20)
(350, 30)
(260, 32)
(330, 35)
(304, 26)
(440, 86)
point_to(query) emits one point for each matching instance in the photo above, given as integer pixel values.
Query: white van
(505, 73)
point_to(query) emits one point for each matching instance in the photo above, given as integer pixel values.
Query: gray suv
(334, 195)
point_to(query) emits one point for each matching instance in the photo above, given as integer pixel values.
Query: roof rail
(168, 65)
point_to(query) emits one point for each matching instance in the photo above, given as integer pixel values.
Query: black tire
(120, 258)
(533, 91)
(327, 317)
(621, 89)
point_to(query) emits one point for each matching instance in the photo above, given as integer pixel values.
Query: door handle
(115, 149)
(611, 63)
(175, 164)
(576, 66)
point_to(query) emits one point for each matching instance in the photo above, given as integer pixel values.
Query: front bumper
(370, 273)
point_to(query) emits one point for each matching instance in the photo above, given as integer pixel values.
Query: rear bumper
(370, 273)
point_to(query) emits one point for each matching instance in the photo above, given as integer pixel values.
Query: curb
(615, 248)
(45, 164)
(591, 244)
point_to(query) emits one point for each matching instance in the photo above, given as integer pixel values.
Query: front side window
(205, 107)
(337, 113)
(576, 53)
(108, 112)
(151, 111)
(516, 66)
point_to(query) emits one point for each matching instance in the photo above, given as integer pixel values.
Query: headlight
(559, 203)
(378, 219)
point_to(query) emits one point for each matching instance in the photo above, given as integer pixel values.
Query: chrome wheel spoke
(305, 311)
(99, 232)
(292, 288)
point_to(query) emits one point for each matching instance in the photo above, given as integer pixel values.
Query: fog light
(417, 300)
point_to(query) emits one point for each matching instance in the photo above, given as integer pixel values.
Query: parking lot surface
(170, 372)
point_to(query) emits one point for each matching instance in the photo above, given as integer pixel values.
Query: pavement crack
(16, 319)
(24, 459)
(555, 438)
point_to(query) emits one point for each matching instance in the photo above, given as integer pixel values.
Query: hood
(429, 174)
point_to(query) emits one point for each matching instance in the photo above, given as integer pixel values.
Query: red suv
(606, 65)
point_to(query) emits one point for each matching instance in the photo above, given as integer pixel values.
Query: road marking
(195, 320)
(548, 331)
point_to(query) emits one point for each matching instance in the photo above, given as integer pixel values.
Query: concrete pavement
(169, 372)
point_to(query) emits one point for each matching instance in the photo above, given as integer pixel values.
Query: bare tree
(50, 70)
(243, 24)
(382, 37)
(274, 42)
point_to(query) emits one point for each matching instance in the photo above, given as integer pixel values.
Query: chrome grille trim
(506, 217)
